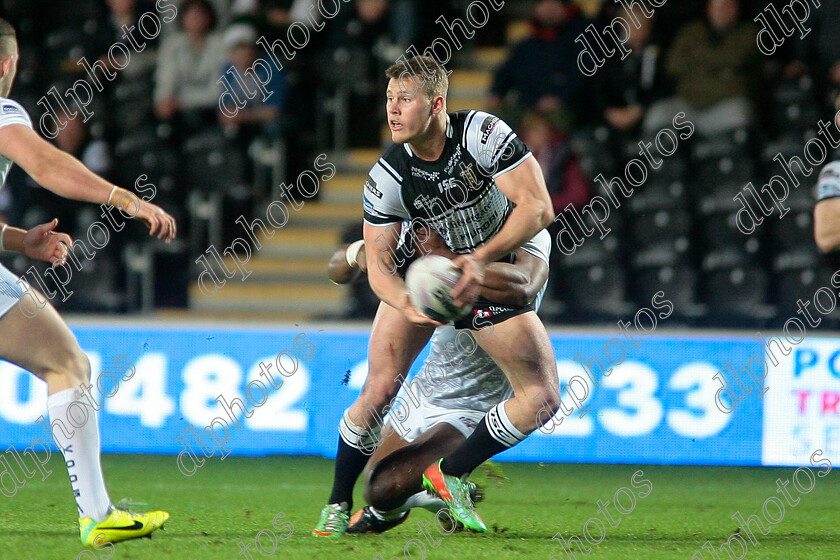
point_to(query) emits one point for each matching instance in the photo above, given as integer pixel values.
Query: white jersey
(457, 379)
(10, 287)
(828, 185)
(11, 112)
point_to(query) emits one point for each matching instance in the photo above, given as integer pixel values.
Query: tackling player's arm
(523, 185)
(346, 266)
(61, 173)
(506, 284)
(517, 284)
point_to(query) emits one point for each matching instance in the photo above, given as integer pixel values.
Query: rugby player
(468, 177)
(43, 344)
(827, 208)
(466, 384)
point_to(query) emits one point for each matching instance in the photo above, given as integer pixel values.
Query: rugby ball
(429, 280)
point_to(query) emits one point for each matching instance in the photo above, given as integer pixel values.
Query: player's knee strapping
(359, 437)
(501, 428)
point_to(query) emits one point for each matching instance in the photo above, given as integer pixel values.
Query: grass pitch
(229, 502)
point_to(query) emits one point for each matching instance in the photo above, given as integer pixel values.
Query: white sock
(75, 429)
(425, 500)
(421, 499)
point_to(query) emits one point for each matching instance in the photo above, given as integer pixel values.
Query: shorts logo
(10, 109)
(467, 422)
(370, 185)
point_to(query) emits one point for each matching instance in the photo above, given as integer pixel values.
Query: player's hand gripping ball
(429, 280)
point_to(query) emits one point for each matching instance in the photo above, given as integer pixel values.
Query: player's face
(408, 110)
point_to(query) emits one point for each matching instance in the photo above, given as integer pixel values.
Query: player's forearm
(67, 177)
(12, 239)
(505, 284)
(827, 224)
(389, 288)
(827, 236)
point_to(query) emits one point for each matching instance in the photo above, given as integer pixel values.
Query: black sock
(479, 447)
(349, 464)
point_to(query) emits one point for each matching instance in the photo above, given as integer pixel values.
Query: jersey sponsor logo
(487, 128)
(370, 185)
(424, 201)
(453, 159)
(423, 174)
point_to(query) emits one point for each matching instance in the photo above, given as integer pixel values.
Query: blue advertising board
(166, 385)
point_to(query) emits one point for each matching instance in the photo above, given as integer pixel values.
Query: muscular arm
(64, 175)
(525, 187)
(51, 168)
(515, 284)
(380, 246)
(827, 224)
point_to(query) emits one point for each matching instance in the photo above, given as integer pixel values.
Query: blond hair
(425, 71)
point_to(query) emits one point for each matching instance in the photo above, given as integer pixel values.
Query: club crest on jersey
(468, 175)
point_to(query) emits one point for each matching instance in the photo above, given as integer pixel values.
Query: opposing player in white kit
(827, 207)
(42, 343)
(461, 384)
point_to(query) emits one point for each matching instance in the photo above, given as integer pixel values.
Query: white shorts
(10, 290)
(426, 417)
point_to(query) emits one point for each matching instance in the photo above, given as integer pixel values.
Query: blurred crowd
(160, 117)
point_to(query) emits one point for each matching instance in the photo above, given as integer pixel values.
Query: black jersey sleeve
(494, 145)
(383, 195)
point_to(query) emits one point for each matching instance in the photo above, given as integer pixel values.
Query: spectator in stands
(541, 72)
(626, 88)
(259, 120)
(714, 64)
(126, 13)
(260, 115)
(563, 175)
(188, 67)
(820, 50)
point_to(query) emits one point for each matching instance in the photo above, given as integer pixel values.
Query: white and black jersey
(11, 288)
(11, 112)
(456, 195)
(828, 185)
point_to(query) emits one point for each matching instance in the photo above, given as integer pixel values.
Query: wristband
(353, 252)
(110, 196)
(2, 234)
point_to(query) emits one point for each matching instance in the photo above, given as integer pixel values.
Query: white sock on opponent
(81, 451)
(425, 500)
(420, 499)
